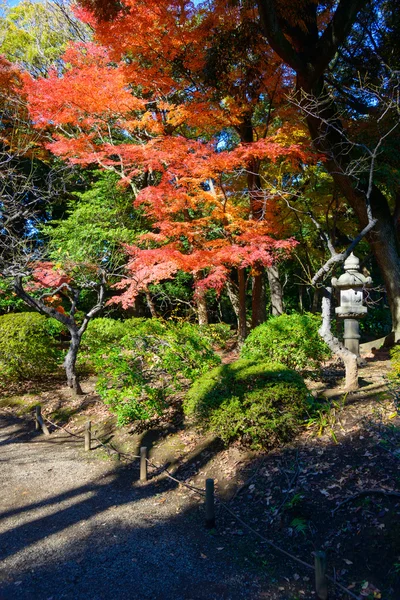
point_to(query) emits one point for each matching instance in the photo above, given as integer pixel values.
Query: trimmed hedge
(27, 346)
(290, 339)
(262, 404)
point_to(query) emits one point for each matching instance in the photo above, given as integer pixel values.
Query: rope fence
(210, 501)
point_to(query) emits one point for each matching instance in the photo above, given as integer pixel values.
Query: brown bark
(201, 303)
(258, 301)
(151, 305)
(315, 301)
(70, 364)
(242, 325)
(233, 296)
(276, 291)
(301, 303)
(257, 209)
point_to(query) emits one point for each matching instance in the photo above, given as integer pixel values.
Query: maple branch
(60, 288)
(337, 258)
(321, 50)
(275, 36)
(97, 308)
(355, 103)
(36, 304)
(335, 34)
(323, 235)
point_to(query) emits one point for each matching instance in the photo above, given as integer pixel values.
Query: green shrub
(263, 404)
(27, 345)
(290, 339)
(217, 333)
(101, 334)
(55, 329)
(139, 371)
(393, 381)
(395, 360)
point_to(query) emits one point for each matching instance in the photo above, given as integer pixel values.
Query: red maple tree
(146, 104)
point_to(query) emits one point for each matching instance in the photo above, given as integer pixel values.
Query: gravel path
(74, 527)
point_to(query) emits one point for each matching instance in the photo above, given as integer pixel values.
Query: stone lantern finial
(351, 263)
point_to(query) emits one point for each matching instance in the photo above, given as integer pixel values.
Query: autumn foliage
(156, 100)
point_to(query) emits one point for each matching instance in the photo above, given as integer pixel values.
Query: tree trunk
(151, 305)
(349, 359)
(242, 325)
(301, 303)
(233, 296)
(70, 363)
(325, 132)
(201, 302)
(276, 291)
(258, 300)
(315, 301)
(309, 55)
(257, 213)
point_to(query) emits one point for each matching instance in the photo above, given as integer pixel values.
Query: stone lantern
(351, 309)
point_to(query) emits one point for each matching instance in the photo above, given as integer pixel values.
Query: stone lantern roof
(352, 278)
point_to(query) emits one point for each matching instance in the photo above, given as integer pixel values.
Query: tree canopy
(235, 135)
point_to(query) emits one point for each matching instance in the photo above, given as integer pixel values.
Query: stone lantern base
(352, 335)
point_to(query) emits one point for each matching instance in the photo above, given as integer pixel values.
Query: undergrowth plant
(325, 416)
(393, 379)
(290, 339)
(217, 333)
(140, 370)
(395, 360)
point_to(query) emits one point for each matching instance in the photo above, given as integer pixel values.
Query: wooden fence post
(38, 411)
(88, 436)
(143, 464)
(321, 584)
(39, 423)
(210, 508)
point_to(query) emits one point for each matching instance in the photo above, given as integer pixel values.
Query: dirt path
(73, 527)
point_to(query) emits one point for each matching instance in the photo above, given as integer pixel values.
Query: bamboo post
(88, 436)
(321, 584)
(143, 464)
(209, 504)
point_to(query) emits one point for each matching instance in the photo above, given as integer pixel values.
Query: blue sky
(15, 2)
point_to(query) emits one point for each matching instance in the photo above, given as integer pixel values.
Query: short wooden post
(39, 423)
(88, 436)
(321, 584)
(38, 414)
(210, 508)
(143, 463)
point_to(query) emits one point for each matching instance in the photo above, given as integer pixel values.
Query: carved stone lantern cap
(352, 278)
